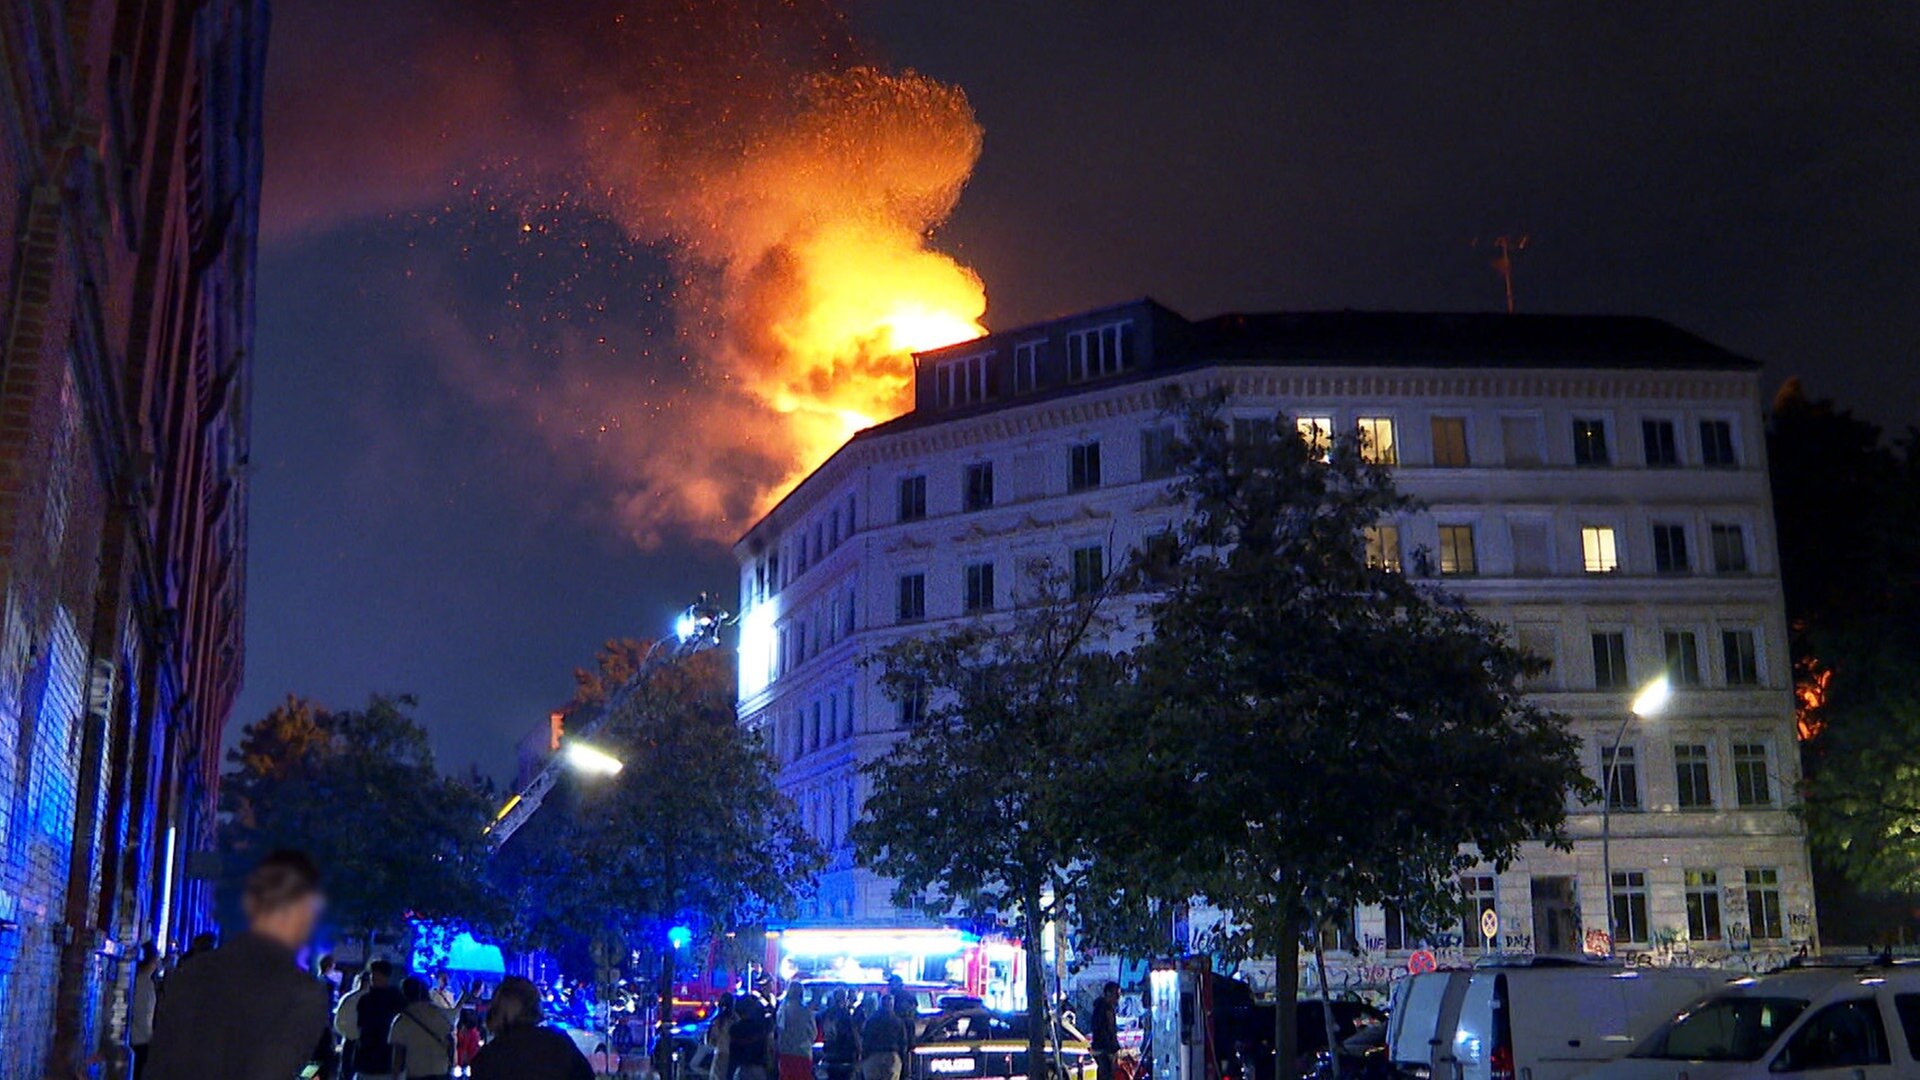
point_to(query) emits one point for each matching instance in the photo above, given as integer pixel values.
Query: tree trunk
(1286, 997)
(1039, 1009)
(1326, 1000)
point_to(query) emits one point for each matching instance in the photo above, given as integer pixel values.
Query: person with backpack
(421, 1035)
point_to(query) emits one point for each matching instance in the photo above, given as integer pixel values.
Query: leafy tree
(1313, 730)
(691, 832)
(1847, 503)
(358, 790)
(615, 663)
(978, 811)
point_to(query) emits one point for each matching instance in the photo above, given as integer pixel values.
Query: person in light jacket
(421, 1035)
(793, 1034)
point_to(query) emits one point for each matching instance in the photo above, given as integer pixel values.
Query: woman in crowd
(523, 1048)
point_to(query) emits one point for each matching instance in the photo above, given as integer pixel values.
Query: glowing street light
(1650, 702)
(592, 761)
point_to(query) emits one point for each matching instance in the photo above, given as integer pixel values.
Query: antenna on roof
(1508, 247)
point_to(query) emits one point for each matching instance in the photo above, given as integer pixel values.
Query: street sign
(1489, 924)
(1422, 962)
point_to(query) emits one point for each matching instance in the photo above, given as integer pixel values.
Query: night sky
(477, 363)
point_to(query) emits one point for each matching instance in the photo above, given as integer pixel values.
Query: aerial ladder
(696, 630)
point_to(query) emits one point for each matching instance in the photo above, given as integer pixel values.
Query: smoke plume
(747, 164)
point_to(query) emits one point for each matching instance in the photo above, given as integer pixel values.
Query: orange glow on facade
(1811, 681)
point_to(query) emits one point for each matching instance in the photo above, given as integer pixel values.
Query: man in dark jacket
(373, 1054)
(1105, 1036)
(246, 1011)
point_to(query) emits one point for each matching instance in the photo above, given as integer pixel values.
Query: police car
(970, 1043)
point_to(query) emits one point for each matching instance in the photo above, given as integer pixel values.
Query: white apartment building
(1597, 484)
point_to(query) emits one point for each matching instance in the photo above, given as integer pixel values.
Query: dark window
(1662, 450)
(1253, 429)
(1089, 569)
(1630, 906)
(1590, 442)
(980, 587)
(1683, 657)
(1739, 651)
(1703, 905)
(1670, 549)
(1752, 782)
(1450, 442)
(1477, 897)
(913, 498)
(911, 706)
(1156, 453)
(1844, 1035)
(1101, 351)
(1908, 1008)
(913, 597)
(1763, 904)
(1729, 549)
(1026, 366)
(979, 486)
(1716, 445)
(1621, 778)
(1693, 776)
(1402, 932)
(1085, 472)
(1610, 660)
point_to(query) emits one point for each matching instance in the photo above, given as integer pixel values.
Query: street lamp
(1647, 704)
(592, 761)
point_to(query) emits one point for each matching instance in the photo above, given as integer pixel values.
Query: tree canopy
(358, 790)
(979, 811)
(1313, 728)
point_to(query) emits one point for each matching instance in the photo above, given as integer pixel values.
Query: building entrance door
(1556, 916)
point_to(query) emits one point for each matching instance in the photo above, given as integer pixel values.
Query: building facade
(129, 181)
(1596, 485)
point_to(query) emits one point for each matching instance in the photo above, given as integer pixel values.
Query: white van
(1420, 1021)
(1860, 1023)
(1540, 1020)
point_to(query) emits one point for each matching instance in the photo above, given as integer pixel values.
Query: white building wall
(1521, 481)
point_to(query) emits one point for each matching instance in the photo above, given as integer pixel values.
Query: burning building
(131, 159)
(1597, 484)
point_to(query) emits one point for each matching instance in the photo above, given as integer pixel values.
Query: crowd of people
(248, 1009)
(749, 1039)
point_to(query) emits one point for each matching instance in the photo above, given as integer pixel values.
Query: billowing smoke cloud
(789, 180)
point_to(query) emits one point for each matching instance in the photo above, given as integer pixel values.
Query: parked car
(1862, 1023)
(973, 1043)
(1245, 1033)
(1540, 1019)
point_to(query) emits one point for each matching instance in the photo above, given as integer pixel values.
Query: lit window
(1590, 442)
(1026, 366)
(1456, 549)
(1598, 550)
(1383, 547)
(1703, 905)
(1317, 433)
(1450, 442)
(1099, 351)
(962, 381)
(1085, 471)
(1376, 440)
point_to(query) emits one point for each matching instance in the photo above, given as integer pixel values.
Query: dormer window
(1026, 366)
(965, 380)
(1099, 351)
